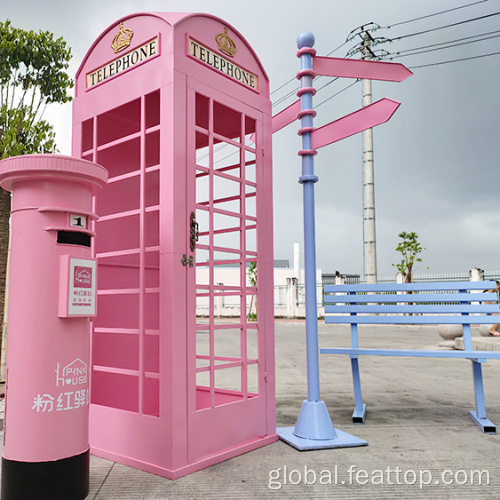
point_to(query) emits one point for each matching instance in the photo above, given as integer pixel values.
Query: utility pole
(369, 235)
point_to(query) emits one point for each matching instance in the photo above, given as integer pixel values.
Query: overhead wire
(450, 41)
(336, 94)
(455, 60)
(400, 54)
(432, 15)
(445, 26)
(444, 45)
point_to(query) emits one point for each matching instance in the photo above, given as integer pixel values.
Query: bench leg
(358, 416)
(479, 415)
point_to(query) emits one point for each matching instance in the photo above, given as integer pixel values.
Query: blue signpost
(314, 428)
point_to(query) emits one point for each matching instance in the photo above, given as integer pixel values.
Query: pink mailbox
(176, 107)
(52, 295)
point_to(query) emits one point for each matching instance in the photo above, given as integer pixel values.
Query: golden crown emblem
(226, 45)
(122, 39)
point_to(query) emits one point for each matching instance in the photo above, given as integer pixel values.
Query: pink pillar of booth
(176, 107)
(51, 298)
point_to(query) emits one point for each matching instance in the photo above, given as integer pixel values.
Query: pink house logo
(82, 277)
(73, 374)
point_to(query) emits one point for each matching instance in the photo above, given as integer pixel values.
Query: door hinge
(185, 261)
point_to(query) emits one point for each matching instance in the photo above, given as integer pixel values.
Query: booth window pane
(202, 111)
(152, 188)
(127, 317)
(152, 270)
(120, 196)
(121, 158)
(227, 343)
(227, 121)
(253, 379)
(228, 379)
(87, 135)
(115, 390)
(151, 396)
(202, 150)
(153, 148)
(249, 125)
(153, 109)
(115, 350)
(118, 234)
(151, 353)
(119, 122)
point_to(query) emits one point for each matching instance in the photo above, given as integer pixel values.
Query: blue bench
(462, 303)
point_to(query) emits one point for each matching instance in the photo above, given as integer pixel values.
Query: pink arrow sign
(285, 117)
(368, 117)
(355, 68)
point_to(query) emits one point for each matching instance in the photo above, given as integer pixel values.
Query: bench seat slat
(412, 320)
(413, 309)
(429, 286)
(412, 298)
(413, 353)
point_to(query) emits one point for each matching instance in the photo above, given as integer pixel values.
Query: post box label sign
(81, 287)
(221, 64)
(78, 287)
(127, 61)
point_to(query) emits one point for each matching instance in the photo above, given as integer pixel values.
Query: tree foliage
(409, 248)
(252, 273)
(252, 278)
(32, 74)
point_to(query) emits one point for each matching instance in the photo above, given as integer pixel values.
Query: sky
(436, 160)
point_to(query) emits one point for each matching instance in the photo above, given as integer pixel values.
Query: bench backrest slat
(390, 303)
(411, 320)
(420, 287)
(413, 309)
(411, 298)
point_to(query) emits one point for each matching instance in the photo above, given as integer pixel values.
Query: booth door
(226, 401)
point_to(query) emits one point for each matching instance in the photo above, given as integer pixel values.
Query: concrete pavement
(422, 443)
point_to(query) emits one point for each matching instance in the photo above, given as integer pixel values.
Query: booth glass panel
(126, 337)
(225, 190)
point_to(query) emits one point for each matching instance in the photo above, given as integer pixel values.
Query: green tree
(252, 278)
(32, 75)
(409, 248)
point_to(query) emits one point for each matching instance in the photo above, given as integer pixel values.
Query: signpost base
(342, 440)
(315, 431)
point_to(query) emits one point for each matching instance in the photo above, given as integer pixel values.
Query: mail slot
(52, 296)
(73, 238)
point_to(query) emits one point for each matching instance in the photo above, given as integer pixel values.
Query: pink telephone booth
(176, 107)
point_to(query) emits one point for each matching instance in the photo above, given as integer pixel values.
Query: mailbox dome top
(53, 167)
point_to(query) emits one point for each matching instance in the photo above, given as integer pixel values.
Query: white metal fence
(229, 306)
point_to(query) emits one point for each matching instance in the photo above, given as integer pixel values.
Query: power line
(281, 86)
(455, 60)
(432, 15)
(399, 54)
(335, 95)
(450, 41)
(446, 26)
